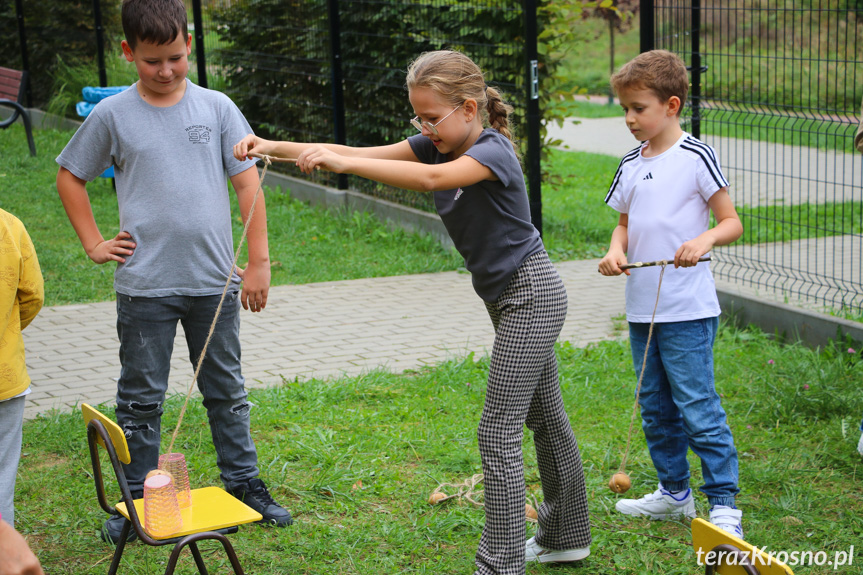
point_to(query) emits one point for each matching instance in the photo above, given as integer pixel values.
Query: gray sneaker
(112, 528)
(660, 505)
(533, 552)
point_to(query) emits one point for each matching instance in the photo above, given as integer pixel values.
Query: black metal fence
(776, 90)
(334, 70)
(328, 70)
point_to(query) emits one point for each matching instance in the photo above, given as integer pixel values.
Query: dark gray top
(171, 166)
(489, 222)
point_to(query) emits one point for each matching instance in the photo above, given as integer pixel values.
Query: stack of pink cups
(175, 464)
(161, 508)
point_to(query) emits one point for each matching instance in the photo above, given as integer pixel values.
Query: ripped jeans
(146, 328)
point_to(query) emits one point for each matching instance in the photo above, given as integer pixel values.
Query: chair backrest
(114, 432)
(11, 84)
(102, 431)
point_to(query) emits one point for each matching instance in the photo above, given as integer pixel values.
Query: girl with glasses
(465, 156)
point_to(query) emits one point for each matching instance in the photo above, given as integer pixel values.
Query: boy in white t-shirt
(665, 190)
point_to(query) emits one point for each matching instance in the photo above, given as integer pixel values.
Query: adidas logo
(649, 176)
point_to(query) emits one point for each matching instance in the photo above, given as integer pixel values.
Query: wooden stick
(272, 158)
(656, 263)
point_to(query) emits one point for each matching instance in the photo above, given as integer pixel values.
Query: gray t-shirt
(489, 222)
(171, 167)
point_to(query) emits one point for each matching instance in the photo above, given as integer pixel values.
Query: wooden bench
(12, 83)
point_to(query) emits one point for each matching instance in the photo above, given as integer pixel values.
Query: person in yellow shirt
(22, 293)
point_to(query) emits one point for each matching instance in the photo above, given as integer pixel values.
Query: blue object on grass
(95, 94)
(92, 96)
(84, 108)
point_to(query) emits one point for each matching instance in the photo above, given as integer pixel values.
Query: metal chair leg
(191, 541)
(28, 128)
(199, 561)
(232, 555)
(121, 545)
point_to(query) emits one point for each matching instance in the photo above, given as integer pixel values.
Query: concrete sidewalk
(312, 331)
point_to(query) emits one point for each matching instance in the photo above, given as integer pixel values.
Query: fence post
(337, 80)
(646, 23)
(100, 43)
(200, 52)
(695, 99)
(22, 37)
(534, 164)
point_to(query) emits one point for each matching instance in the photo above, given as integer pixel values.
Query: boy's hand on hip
(113, 249)
(256, 286)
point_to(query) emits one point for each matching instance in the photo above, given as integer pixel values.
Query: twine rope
(622, 469)
(467, 489)
(267, 162)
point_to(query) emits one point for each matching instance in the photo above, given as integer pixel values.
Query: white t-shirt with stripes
(665, 198)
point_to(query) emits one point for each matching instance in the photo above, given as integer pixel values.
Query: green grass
(589, 63)
(744, 125)
(785, 223)
(595, 107)
(793, 100)
(780, 129)
(355, 459)
(306, 244)
(312, 245)
(576, 222)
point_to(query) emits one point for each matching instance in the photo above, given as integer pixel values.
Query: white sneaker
(660, 504)
(533, 552)
(727, 519)
(860, 445)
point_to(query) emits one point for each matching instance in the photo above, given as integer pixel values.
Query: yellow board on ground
(706, 537)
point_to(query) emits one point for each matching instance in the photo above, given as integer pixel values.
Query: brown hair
(660, 71)
(455, 78)
(156, 21)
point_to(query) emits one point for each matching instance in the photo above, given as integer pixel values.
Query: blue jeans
(146, 327)
(680, 408)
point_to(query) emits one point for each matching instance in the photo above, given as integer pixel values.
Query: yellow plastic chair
(212, 508)
(731, 555)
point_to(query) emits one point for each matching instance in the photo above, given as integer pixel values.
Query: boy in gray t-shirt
(170, 144)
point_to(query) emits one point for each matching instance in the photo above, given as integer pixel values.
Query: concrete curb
(787, 322)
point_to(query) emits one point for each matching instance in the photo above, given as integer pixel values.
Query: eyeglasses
(415, 122)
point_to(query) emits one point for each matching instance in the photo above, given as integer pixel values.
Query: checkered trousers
(523, 388)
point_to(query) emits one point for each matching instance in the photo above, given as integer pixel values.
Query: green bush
(276, 62)
(55, 29)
